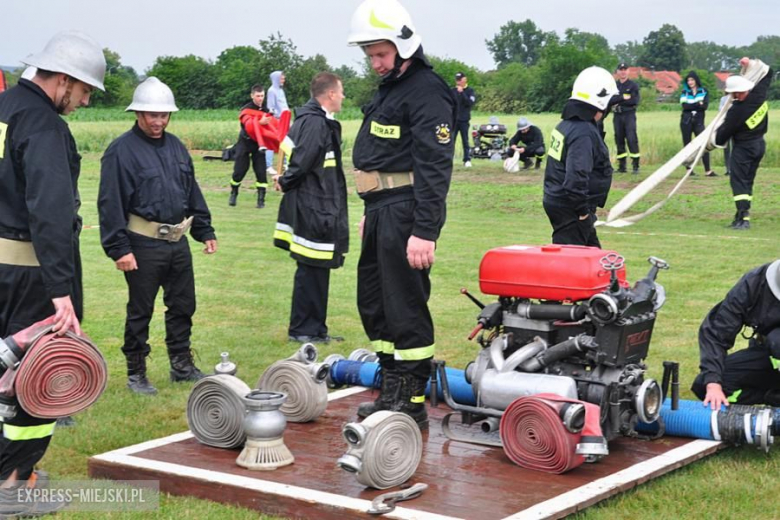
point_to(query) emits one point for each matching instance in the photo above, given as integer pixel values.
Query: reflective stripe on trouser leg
(383, 347)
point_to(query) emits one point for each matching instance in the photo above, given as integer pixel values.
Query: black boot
(411, 398)
(387, 393)
(136, 375)
(527, 163)
(260, 198)
(538, 163)
(742, 221)
(622, 165)
(233, 195)
(635, 165)
(183, 368)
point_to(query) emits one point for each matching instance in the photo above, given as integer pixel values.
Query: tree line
(534, 69)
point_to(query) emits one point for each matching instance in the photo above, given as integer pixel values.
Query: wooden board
(465, 481)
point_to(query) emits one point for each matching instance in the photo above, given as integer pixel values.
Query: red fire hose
(60, 376)
(534, 435)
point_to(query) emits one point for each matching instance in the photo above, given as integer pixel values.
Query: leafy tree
(506, 90)
(301, 77)
(238, 69)
(629, 52)
(519, 42)
(712, 56)
(277, 53)
(664, 49)
(120, 82)
(585, 41)
(193, 80)
(766, 48)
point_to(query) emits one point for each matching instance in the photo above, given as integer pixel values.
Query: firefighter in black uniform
(403, 159)
(624, 106)
(246, 149)
(40, 266)
(147, 202)
(532, 143)
(578, 175)
(748, 376)
(466, 98)
(313, 220)
(745, 124)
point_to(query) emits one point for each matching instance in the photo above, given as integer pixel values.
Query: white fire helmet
(75, 54)
(152, 96)
(384, 20)
(737, 83)
(594, 86)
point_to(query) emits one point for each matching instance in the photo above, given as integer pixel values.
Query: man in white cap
(578, 175)
(750, 375)
(745, 124)
(40, 266)
(148, 201)
(403, 159)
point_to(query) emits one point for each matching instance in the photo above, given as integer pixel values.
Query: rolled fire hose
(60, 376)
(304, 384)
(215, 411)
(535, 437)
(383, 451)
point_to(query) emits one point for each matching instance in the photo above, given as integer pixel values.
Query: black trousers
(727, 156)
(246, 149)
(745, 158)
(748, 371)
(625, 132)
(310, 301)
(529, 154)
(392, 297)
(568, 229)
(462, 129)
(24, 301)
(167, 265)
(694, 125)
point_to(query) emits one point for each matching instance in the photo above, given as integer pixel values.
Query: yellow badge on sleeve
(3, 130)
(626, 96)
(443, 133)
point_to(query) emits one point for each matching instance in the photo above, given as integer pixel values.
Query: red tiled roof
(666, 81)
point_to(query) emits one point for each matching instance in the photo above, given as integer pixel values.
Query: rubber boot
(411, 398)
(622, 165)
(233, 195)
(527, 163)
(538, 163)
(387, 393)
(183, 368)
(260, 198)
(136, 375)
(742, 221)
(635, 165)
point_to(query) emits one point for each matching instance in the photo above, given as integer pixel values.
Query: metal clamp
(385, 503)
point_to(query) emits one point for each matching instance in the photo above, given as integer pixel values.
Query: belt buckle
(167, 232)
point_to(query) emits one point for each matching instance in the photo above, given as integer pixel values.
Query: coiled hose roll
(215, 411)
(304, 384)
(60, 376)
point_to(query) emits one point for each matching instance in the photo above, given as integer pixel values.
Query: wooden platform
(465, 481)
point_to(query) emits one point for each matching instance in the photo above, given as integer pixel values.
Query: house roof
(666, 81)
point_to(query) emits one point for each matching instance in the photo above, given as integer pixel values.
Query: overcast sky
(142, 30)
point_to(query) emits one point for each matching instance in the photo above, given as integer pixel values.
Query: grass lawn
(244, 302)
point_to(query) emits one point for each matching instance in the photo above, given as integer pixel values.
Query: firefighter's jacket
(153, 179)
(312, 222)
(749, 119)
(751, 305)
(532, 139)
(408, 127)
(39, 171)
(627, 98)
(578, 173)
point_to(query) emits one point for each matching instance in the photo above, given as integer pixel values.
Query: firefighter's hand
(65, 316)
(715, 396)
(420, 252)
(361, 225)
(277, 186)
(211, 246)
(127, 263)
(744, 62)
(264, 121)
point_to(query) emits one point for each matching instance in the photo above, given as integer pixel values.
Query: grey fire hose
(215, 411)
(382, 451)
(302, 380)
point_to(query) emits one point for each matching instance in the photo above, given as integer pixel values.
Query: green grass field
(244, 301)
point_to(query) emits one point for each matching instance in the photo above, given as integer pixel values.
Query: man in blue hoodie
(276, 102)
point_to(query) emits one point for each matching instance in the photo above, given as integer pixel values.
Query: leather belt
(168, 232)
(16, 252)
(373, 181)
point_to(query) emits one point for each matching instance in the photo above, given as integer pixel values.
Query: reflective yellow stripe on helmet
(27, 433)
(415, 354)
